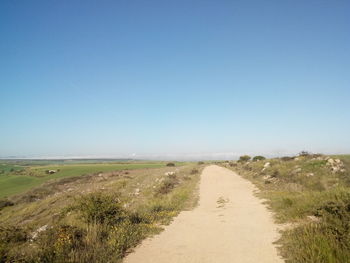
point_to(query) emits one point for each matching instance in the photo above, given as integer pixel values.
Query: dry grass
(94, 218)
(305, 192)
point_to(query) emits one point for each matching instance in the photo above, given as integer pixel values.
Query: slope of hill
(95, 217)
(310, 194)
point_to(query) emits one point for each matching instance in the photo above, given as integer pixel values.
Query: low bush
(166, 186)
(101, 208)
(194, 171)
(170, 164)
(4, 203)
(244, 158)
(287, 158)
(304, 154)
(258, 158)
(327, 240)
(11, 237)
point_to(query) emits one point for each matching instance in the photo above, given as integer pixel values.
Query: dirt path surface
(229, 225)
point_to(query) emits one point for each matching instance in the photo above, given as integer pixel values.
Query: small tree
(304, 153)
(244, 158)
(258, 158)
(170, 164)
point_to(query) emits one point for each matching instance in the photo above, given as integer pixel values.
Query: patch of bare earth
(230, 225)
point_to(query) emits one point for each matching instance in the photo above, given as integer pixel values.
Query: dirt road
(229, 225)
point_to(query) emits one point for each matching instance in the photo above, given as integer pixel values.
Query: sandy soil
(229, 225)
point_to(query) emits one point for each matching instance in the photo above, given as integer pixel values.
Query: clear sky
(174, 78)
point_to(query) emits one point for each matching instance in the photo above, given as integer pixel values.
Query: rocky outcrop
(335, 165)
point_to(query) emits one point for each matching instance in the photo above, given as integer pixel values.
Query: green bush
(244, 158)
(170, 164)
(327, 240)
(11, 237)
(127, 235)
(101, 208)
(258, 158)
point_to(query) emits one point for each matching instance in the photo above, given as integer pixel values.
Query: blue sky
(174, 78)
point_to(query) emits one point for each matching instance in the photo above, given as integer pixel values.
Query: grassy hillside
(20, 177)
(310, 195)
(97, 217)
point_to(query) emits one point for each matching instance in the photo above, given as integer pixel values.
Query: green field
(12, 183)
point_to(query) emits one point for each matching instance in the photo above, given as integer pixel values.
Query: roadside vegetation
(97, 217)
(19, 176)
(310, 195)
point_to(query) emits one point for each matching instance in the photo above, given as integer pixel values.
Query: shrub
(287, 158)
(194, 171)
(94, 243)
(101, 208)
(4, 203)
(304, 154)
(60, 243)
(275, 174)
(200, 162)
(127, 235)
(327, 240)
(244, 158)
(167, 185)
(258, 158)
(10, 238)
(170, 164)
(12, 234)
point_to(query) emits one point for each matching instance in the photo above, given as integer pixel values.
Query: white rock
(330, 161)
(39, 230)
(266, 165)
